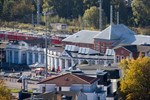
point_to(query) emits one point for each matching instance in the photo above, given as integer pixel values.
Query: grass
(18, 90)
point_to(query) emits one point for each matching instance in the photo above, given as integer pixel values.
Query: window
(43, 89)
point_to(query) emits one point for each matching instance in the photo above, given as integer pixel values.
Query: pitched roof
(69, 79)
(141, 39)
(83, 36)
(115, 32)
(135, 48)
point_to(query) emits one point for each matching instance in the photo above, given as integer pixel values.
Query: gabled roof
(83, 36)
(115, 32)
(135, 48)
(69, 79)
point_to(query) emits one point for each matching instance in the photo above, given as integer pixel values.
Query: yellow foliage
(4, 91)
(135, 82)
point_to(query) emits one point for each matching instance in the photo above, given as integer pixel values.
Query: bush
(84, 62)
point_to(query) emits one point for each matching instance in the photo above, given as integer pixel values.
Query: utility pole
(46, 69)
(100, 14)
(111, 14)
(32, 19)
(117, 17)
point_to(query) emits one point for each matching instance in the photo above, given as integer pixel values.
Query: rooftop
(68, 79)
(135, 48)
(83, 36)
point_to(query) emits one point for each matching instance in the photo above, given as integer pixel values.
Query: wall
(82, 96)
(121, 53)
(84, 87)
(79, 44)
(48, 87)
(91, 96)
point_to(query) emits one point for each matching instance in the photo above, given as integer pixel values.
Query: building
(60, 95)
(83, 38)
(109, 38)
(109, 77)
(131, 51)
(73, 83)
(20, 52)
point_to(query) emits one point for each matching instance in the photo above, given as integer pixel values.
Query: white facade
(21, 53)
(87, 89)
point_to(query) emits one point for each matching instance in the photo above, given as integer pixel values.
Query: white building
(21, 53)
(73, 82)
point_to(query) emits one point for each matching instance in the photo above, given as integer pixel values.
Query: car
(6, 74)
(2, 73)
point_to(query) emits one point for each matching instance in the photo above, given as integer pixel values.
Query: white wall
(92, 96)
(65, 88)
(82, 96)
(84, 87)
(109, 98)
(114, 85)
(49, 87)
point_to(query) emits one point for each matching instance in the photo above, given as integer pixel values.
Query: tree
(22, 10)
(6, 14)
(91, 16)
(64, 8)
(135, 82)
(4, 91)
(141, 12)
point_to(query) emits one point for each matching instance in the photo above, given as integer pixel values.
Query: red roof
(69, 79)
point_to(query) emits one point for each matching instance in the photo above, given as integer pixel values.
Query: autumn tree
(135, 82)
(4, 91)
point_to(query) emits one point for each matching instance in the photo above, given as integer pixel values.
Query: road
(12, 83)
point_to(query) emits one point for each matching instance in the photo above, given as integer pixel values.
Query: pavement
(12, 83)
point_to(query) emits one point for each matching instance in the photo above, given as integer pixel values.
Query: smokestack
(100, 14)
(117, 17)
(111, 14)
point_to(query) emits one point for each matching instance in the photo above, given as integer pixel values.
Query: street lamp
(45, 19)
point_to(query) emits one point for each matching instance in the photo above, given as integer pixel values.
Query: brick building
(109, 38)
(130, 51)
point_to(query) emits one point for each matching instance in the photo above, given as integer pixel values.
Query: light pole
(46, 69)
(45, 18)
(100, 14)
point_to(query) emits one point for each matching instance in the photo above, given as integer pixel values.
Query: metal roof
(115, 32)
(83, 36)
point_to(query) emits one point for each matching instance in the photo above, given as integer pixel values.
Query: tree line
(136, 13)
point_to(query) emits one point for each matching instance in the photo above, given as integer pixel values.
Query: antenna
(111, 14)
(100, 14)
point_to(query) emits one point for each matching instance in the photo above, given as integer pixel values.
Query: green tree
(91, 16)
(135, 82)
(4, 91)
(64, 8)
(141, 12)
(22, 10)
(6, 14)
